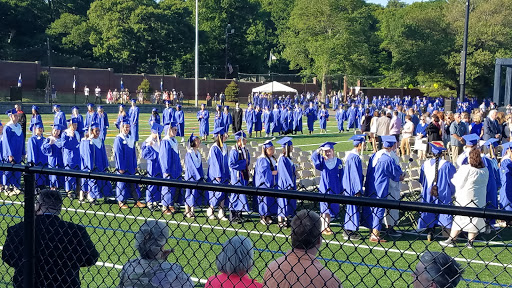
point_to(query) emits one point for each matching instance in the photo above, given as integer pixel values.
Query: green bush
(144, 86)
(232, 92)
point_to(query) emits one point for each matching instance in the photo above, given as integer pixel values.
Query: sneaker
(393, 233)
(346, 235)
(354, 236)
(447, 243)
(469, 245)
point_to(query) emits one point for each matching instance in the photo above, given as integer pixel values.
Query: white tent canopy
(273, 87)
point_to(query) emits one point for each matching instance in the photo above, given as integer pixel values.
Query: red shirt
(232, 281)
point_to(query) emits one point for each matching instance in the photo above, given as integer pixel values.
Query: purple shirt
(395, 125)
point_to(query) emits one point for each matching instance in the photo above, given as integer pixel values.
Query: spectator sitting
(61, 247)
(234, 262)
(299, 267)
(152, 269)
(436, 270)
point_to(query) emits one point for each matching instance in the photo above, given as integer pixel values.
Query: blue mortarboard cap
(72, 120)
(156, 128)
(167, 101)
(203, 104)
(267, 144)
(471, 139)
(285, 141)
(328, 145)
(178, 106)
(133, 100)
(227, 107)
(218, 106)
(436, 147)
(154, 110)
(95, 125)
(56, 106)
(100, 107)
(358, 139)
(125, 120)
(121, 105)
(38, 124)
(34, 107)
(191, 138)
(218, 130)
(240, 134)
(506, 146)
(491, 141)
(173, 124)
(74, 107)
(58, 126)
(90, 104)
(388, 141)
(11, 111)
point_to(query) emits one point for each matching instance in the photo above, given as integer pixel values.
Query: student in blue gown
(227, 119)
(179, 117)
(151, 152)
(103, 122)
(36, 118)
(52, 147)
(258, 124)
(94, 158)
(13, 149)
(168, 114)
(297, 119)
(218, 121)
(437, 188)
(126, 163)
(340, 118)
(286, 180)
(133, 116)
(276, 117)
(85, 164)
(352, 183)
(239, 160)
(311, 117)
(384, 170)
(193, 172)
(284, 121)
(203, 116)
(120, 115)
(267, 119)
(352, 117)
(506, 178)
(79, 121)
(265, 176)
(171, 167)
(154, 117)
(34, 154)
(91, 116)
(290, 120)
(71, 154)
(218, 172)
(471, 141)
(250, 119)
(323, 116)
(59, 117)
(331, 169)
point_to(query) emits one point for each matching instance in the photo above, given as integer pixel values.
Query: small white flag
(19, 81)
(230, 68)
(74, 82)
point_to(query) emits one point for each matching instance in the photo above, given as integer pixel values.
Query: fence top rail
(255, 191)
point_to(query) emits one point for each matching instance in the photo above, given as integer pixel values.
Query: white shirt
(408, 129)
(97, 91)
(86, 91)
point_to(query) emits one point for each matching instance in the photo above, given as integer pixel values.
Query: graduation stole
(245, 172)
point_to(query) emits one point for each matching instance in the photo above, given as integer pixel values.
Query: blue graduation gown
(168, 115)
(204, 122)
(238, 202)
(36, 156)
(276, 121)
(352, 115)
(152, 154)
(133, 115)
(94, 158)
(286, 180)
(227, 120)
(323, 115)
(268, 119)
(55, 160)
(103, 121)
(118, 121)
(218, 121)
(71, 157)
(506, 184)
(297, 120)
(153, 119)
(33, 121)
(385, 169)
(193, 172)
(85, 161)
(250, 119)
(258, 125)
(352, 184)
(126, 159)
(263, 178)
(330, 180)
(340, 118)
(80, 125)
(290, 119)
(179, 116)
(171, 168)
(90, 117)
(218, 169)
(60, 118)
(445, 188)
(311, 116)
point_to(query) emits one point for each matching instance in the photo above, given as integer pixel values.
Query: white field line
(275, 235)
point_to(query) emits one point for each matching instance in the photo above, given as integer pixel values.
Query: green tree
(231, 91)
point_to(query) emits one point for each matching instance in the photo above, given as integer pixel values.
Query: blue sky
(384, 2)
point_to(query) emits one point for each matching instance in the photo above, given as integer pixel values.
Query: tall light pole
(228, 32)
(196, 80)
(464, 54)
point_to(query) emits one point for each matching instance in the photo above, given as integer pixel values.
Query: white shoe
(221, 216)
(447, 243)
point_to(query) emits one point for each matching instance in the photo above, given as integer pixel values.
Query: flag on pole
(122, 85)
(161, 84)
(230, 68)
(74, 82)
(271, 58)
(19, 81)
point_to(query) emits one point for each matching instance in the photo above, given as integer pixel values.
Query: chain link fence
(113, 208)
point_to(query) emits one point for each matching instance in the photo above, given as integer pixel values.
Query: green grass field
(197, 242)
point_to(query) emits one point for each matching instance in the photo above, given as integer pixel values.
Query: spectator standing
(395, 126)
(151, 268)
(237, 118)
(97, 94)
(436, 269)
(299, 266)
(491, 126)
(405, 147)
(383, 124)
(61, 247)
(222, 98)
(457, 130)
(86, 94)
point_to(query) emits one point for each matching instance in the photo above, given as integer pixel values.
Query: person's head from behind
(306, 230)
(236, 256)
(475, 158)
(151, 239)
(48, 202)
(436, 270)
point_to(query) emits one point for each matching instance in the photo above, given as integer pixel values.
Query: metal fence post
(29, 230)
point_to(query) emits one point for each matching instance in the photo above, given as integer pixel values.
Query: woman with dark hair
(433, 131)
(265, 176)
(154, 117)
(286, 180)
(193, 172)
(470, 191)
(366, 121)
(435, 178)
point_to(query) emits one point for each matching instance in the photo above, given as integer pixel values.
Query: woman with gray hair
(151, 269)
(234, 262)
